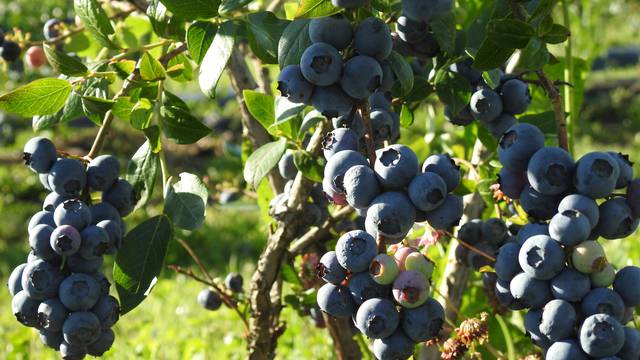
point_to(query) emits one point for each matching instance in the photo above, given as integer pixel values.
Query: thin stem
(558, 109)
(368, 136)
(164, 169)
(127, 52)
(471, 247)
(382, 246)
(570, 103)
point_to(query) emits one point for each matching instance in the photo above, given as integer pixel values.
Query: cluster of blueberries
(211, 299)
(486, 237)
(60, 290)
(9, 50)
(495, 108)
(387, 296)
(413, 36)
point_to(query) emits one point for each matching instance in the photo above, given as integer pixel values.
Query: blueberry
(287, 167)
(335, 300)
(293, 86)
(596, 175)
(51, 315)
(79, 292)
(462, 255)
(601, 335)
(103, 344)
(446, 215)
(570, 227)
(15, 279)
(570, 285)
(234, 282)
(603, 301)
(330, 270)
(39, 241)
(631, 348)
(332, 195)
(339, 140)
(361, 186)
(626, 169)
(333, 30)
(67, 177)
(395, 347)
(95, 242)
(361, 76)
(396, 165)
(107, 309)
(421, 10)
(121, 196)
(541, 257)
(531, 229)
(558, 320)
(41, 218)
(411, 31)
(530, 291)
(486, 105)
(380, 100)
(633, 197)
(116, 234)
(516, 96)
(72, 352)
(103, 211)
(465, 69)
(321, 64)
(382, 125)
(424, 322)
(550, 171)
(383, 269)
(81, 328)
(349, 4)
(51, 29)
(44, 180)
(25, 309)
(40, 154)
(477, 261)
(65, 240)
(604, 277)
(10, 51)
(78, 264)
(411, 289)
(583, 204)
(427, 191)
(373, 38)
(331, 101)
(538, 206)
(506, 267)
(500, 125)
(518, 145)
(444, 166)
(74, 213)
(390, 215)
(40, 280)
(53, 200)
(209, 299)
(352, 121)
(102, 280)
(463, 118)
(616, 219)
(494, 231)
(377, 318)
(504, 296)
(388, 78)
(470, 232)
(355, 250)
(102, 172)
(626, 284)
(51, 339)
(566, 350)
(532, 321)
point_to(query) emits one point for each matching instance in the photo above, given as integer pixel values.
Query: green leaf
(444, 29)
(545, 121)
(142, 172)
(403, 72)
(96, 21)
(228, 6)
(290, 276)
(180, 126)
(492, 77)
(261, 106)
(217, 57)
(406, 116)
(139, 261)
(535, 55)
(141, 112)
(466, 187)
(186, 202)
(64, 63)
(261, 161)
(312, 167)
(491, 55)
(510, 33)
(164, 23)
(264, 30)
(315, 8)
(153, 137)
(72, 110)
(170, 99)
(97, 105)
(453, 90)
(544, 8)
(293, 42)
(41, 97)
(556, 35)
(151, 69)
(200, 35)
(286, 109)
(122, 108)
(193, 9)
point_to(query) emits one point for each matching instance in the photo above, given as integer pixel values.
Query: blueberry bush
(477, 237)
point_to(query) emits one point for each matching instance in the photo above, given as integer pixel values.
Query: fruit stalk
(368, 136)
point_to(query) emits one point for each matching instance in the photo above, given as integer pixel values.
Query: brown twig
(558, 109)
(382, 244)
(316, 234)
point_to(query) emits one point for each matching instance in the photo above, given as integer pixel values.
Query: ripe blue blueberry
(39, 154)
(516, 96)
(512, 183)
(81, 328)
(518, 145)
(339, 140)
(626, 285)
(40, 280)
(209, 299)
(103, 211)
(116, 234)
(72, 352)
(15, 280)
(601, 335)
(463, 118)
(74, 213)
(566, 350)
(361, 76)
(486, 105)
(532, 321)
(569, 227)
(333, 30)
(67, 177)
(494, 231)
(531, 229)
(102, 172)
(506, 267)
(616, 219)
(411, 31)
(351, 121)
(424, 322)
(331, 101)
(504, 296)
(446, 215)
(361, 186)
(362, 288)
(234, 282)
(25, 309)
(394, 347)
(121, 196)
(95, 242)
(530, 291)
(582, 204)
(293, 86)
(626, 169)
(603, 301)
(388, 78)
(103, 344)
(321, 64)
(330, 270)
(51, 339)
(287, 167)
(558, 320)
(383, 125)
(335, 300)
(633, 197)
(107, 309)
(65, 240)
(79, 292)
(44, 180)
(541, 257)
(53, 200)
(426, 10)
(427, 191)
(380, 100)
(377, 318)
(373, 38)
(500, 125)
(41, 218)
(596, 175)
(102, 281)
(550, 171)
(631, 348)
(392, 215)
(443, 165)
(51, 29)
(471, 231)
(570, 285)
(39, 241)
(355, 250)
(52, 314)
(538, 206)
(78, 264)
(396, 165)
